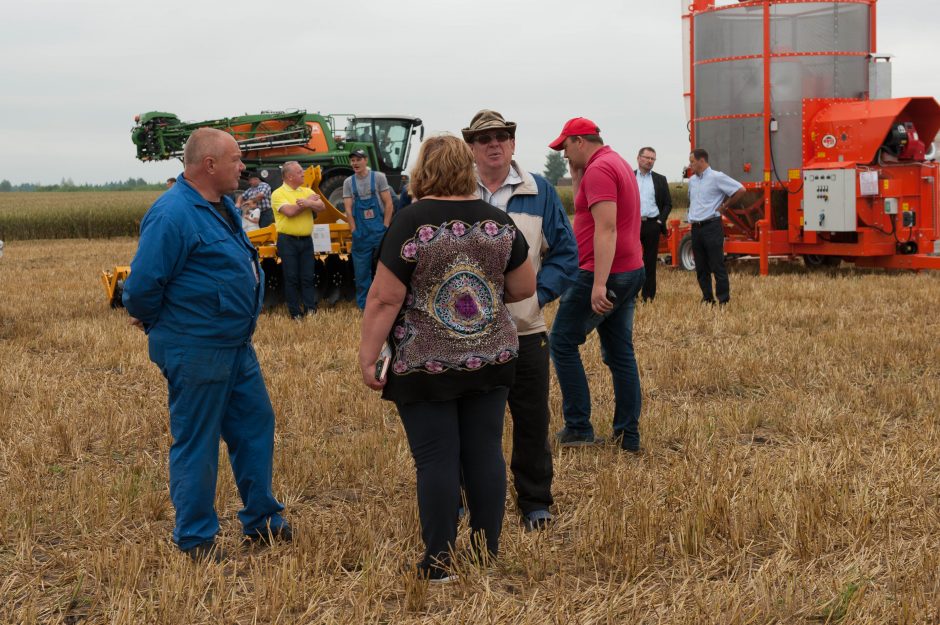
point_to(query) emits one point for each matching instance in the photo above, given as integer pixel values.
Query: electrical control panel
(829, 200)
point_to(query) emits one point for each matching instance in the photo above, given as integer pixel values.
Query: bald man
(195, 289)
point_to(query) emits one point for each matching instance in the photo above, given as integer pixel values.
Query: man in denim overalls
(368, 203)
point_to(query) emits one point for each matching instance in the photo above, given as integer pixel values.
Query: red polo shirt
(608, 177)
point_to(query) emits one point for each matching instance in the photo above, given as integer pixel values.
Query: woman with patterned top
(448, 266)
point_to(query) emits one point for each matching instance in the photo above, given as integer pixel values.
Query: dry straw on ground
(790, 475)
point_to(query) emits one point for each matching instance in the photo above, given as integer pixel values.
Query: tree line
(131, 184)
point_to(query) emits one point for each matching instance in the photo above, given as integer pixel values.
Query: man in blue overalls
(368, 203)
(196, 288)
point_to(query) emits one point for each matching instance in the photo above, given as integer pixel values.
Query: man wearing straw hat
(537, 211)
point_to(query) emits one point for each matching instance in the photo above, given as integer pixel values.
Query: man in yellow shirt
(294, 206)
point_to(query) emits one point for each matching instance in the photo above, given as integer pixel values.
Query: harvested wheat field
(790, 475)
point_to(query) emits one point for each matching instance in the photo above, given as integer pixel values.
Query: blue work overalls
(370, 227)
(197, 286)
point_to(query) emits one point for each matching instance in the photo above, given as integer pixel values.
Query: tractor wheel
(818, 261)
(335, 279)
(273, 283)
(332, 188)
(686, 257)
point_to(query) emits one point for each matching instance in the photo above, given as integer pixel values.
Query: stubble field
(790, 473)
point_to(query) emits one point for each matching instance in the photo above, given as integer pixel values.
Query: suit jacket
(663, 199)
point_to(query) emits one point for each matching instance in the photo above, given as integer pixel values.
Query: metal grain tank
(748, 71)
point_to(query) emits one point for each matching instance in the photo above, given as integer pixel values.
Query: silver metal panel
(732, 32)
(820, 27)
(879, 78)
(733, 143)
(729, 88)
(793, 79)
(787, 145)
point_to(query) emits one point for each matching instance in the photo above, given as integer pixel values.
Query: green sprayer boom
(161, 136)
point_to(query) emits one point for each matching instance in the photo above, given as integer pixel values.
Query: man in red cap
(610, 258)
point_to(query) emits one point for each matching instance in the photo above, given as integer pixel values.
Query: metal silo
(752, 65)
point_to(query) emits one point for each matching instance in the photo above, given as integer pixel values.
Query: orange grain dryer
(790, 98)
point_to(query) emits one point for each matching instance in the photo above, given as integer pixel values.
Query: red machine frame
(880, 239)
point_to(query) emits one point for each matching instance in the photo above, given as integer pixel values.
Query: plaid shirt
(262, 192)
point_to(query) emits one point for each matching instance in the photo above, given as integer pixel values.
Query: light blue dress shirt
(707, 191)
(648, 206)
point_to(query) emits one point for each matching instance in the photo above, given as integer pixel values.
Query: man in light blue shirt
(710, 193)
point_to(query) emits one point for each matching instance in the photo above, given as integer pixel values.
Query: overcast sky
(73, 74)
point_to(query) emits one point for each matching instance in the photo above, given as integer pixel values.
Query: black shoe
(268, 536)
(629, 446)
(430, 573)
(206, 552)
(537, 520)
(567, 438)
(332, 298)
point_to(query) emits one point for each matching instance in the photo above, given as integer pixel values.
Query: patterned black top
(454, 335)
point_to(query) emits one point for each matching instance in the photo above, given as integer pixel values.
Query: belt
(294, 236)
(705, 221)
(649, 218)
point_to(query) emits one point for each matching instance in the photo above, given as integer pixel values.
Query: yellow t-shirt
(299, 225)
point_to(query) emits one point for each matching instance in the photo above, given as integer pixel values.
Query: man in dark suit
(655, 205)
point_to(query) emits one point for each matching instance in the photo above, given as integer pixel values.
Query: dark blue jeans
(573, 322)
(300, 279)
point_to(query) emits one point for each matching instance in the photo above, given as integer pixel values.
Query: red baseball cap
(573, 128)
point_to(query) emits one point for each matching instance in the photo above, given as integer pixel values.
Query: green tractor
(269, 140)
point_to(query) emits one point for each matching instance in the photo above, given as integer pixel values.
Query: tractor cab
(390, 137)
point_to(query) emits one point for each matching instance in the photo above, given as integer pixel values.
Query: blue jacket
(194, 280)
(538, 213)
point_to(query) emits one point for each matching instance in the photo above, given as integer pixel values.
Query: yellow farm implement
(332, 266)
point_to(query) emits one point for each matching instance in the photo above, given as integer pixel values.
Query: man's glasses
(485, 138)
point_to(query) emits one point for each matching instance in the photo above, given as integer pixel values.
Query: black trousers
(708, 248)
(300, 279)
(266, 218)
(650, 231)
(447, 439)
(531, 462)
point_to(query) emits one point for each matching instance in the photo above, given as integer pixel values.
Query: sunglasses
(485, 138)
